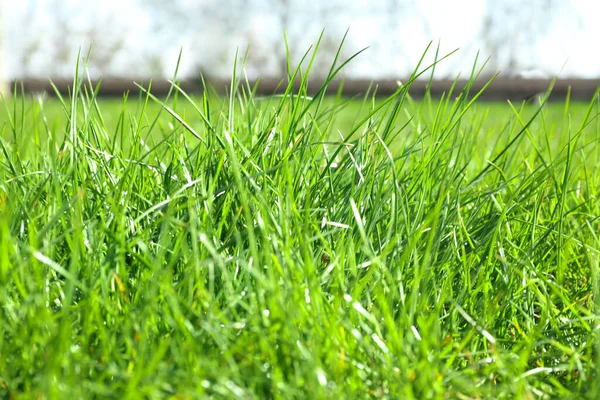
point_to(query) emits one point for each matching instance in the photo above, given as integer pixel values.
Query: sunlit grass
(298, 247)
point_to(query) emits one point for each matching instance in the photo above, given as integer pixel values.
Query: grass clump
(286, 247)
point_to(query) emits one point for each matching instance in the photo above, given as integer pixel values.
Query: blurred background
(141, 39)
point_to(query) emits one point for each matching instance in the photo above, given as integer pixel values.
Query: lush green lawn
(296, 247)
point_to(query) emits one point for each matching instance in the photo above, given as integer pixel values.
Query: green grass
(298, 247)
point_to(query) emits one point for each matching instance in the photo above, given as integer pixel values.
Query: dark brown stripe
(500, 89)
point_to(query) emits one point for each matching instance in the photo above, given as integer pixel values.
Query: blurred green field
(491, 120)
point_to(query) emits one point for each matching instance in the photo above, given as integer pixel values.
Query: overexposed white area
(142, 38)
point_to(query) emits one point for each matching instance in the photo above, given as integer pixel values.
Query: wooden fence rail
(499, 90)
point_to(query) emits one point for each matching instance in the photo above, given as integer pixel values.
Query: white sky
(130, 39)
